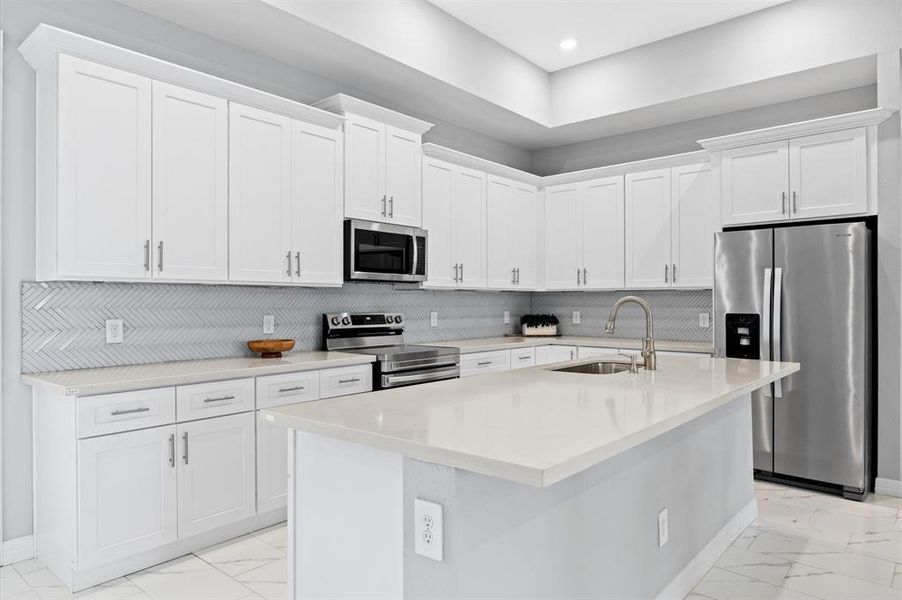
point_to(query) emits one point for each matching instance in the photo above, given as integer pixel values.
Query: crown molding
(41, 48)
(863, 118)
(661, 162)
(343, 104)
(474, 162)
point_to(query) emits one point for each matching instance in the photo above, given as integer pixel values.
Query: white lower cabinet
(554, 353)
(272, 465)
(590, 352)
(127, 494)
(523, 357)
(216, 472)
(477, 363)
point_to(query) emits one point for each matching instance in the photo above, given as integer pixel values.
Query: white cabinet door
(437, 178)
(602, 233)
(364, 169)
(828, 174)
(693, 223)
(524, 249)
(402, 176)
(753, 183)
(190, 184)
(468, 226)
(272, 465)
(316, 190)
(216, 475)
(648, 229)
(586, 352)
(563, 237)
(499, 233)
(104, 171)
(127, 494)
(259, 195)
(553, 354)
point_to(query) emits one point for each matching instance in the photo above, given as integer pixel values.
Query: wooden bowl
(270, 348)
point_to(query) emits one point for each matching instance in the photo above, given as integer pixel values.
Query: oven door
(403, 378)
(384, 252)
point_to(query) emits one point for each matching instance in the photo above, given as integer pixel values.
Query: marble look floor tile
(746, 538)
(858, 566)
(270, 581)
(188, 578)
(29, 595)
(897, 577)
(724, 585)
(8, 571)
(277, 536)
(767, 568)
(773, 542)
(772, 513)
(240, 555)
(118, 589)
(11, 587)
(42, 578)
(817, 501)
(27, 566)
(825, 584)
(880, 543)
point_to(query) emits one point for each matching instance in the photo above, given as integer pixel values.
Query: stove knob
(346, 320)
(398, 319)
(389, 319)
(335, 321)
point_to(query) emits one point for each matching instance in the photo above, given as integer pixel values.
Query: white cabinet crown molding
(474, 162)
(863, 118)
(343, 104)
(46, 42)
(649, 164)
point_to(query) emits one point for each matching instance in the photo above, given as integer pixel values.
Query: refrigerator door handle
(778, 325)
(765, 325)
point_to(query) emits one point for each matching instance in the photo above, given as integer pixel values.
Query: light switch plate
(115, 331)
(577, 317)
(269, 323)
(428, 529)
(507, 317)
(433, 319)
(704, 320)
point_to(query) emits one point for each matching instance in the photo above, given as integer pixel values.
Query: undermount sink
(600, 367)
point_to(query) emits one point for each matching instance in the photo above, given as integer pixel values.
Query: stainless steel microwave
(384, 252)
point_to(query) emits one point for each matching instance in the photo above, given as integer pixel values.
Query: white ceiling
(534, 29)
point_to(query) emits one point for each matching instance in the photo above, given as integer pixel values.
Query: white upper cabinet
(648, 229)
(563, 237)
(99, 225)
(364, 169)
(190, 184)
(316, 191)
(754, 183)
(828, 174)
(693, 224)
(511, 234)
(260, 241)
(441, 270)
(602, 233)
(402, 176)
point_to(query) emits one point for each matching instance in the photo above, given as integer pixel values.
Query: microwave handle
(416, 251)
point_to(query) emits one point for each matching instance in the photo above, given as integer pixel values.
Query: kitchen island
(551, 483)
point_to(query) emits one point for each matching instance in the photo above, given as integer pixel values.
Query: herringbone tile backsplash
(63, 322)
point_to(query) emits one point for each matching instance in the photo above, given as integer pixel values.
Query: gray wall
(683, 137)
(592, 535)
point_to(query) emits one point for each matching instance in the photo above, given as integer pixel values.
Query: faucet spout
(648, 344)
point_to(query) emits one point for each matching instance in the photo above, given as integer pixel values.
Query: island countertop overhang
(533, 426)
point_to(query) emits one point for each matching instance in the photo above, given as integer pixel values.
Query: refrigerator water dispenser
(743, 335)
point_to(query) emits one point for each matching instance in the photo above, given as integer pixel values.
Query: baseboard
(680, 586)
(17, 550)
(888, 487)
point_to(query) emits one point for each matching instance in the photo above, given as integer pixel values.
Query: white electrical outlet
(269, 323)
(115, 331)
(704, 320)
(428, 529)
(576, 317)
(662, 528)
(507, 317)
(433, 319)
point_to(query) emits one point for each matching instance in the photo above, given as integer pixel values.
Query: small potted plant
(539, 325)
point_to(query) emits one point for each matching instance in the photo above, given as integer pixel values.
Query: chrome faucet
(648, 344)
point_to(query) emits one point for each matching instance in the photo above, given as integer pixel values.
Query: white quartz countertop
(533, 426)
(87, 382)
(503, 343)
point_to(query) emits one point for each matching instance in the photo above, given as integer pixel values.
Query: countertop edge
(566, 340)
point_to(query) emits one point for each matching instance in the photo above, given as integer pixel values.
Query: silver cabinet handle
(585, 276)
(455, 272)
(147, 255)
(795, 204)
(220, 399)
(666, 273)
(783, 203)
(296, 388)
(674, 271)
(160, 258)
(384, 211)
(391, 207)
(297, 264)
(483, 363)
(518, 275)
(513, 275)
(172, 450)
(524, 357)
(352, 380)
(288, 268)
(129, 411)
(577, 275)
(185, 445)
(461, 272)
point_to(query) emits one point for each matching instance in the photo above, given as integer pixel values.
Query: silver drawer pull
(185, 454)
(352, 380)
(524, 358)
(296, 388)
(220, 399)
(172, 450)
(129, 411)
(483, 363)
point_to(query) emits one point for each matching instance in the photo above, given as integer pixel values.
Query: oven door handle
(393, 380)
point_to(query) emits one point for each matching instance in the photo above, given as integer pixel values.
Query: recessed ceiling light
(568, 44)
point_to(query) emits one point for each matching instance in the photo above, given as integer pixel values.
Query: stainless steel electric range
(382, 335)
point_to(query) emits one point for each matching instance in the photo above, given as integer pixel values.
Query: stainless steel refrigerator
(803, 294)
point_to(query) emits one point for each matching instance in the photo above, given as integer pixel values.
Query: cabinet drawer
(345, 381)
(276, 390)
(484, 362)
(125, 411)
(593, 352)
(213, 399)
(523, 357)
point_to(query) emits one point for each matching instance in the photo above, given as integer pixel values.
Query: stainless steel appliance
(382, 335)
(803, 294)
(384, 252)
